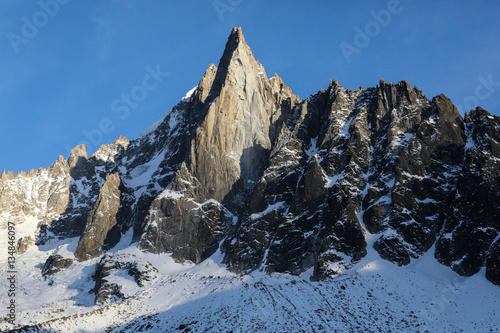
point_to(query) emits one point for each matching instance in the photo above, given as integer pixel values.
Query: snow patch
(170, 194)
(189, 94)
(330, 181)
(269, 209)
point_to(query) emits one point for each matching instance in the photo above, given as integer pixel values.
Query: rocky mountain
(245, 170)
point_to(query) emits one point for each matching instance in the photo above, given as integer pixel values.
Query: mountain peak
(237, 34)
(234, 41)
(237, 55)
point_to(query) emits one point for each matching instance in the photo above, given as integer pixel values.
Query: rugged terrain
(261, 198)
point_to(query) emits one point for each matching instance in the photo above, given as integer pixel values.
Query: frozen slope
(373, 296)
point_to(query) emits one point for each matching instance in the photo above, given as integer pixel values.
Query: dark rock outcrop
(108, 291)
(55, 263)
(471, 235)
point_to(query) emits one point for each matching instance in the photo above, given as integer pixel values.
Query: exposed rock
(233, 140)
(386, 159)
(108, 291)
(392, 248)
(42, 195)
(193, 232)
(55, 263)
(77, 157)
(227, 153)
(107, 152)
(493, 264)
(471, 233)
(24, 243)
(101, 220)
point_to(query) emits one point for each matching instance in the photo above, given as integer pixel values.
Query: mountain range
(267, 198)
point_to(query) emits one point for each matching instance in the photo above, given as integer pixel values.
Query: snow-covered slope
(373, 296)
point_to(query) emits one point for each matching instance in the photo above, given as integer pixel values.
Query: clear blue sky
(61, 78)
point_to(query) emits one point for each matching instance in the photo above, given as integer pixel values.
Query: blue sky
(66, 64)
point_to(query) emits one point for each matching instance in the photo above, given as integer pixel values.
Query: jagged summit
(235, 44)
(243, 147)
(234, 40)
(236, 61)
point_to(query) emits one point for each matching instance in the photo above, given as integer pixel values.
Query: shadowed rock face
(55, 263)
(108, 291)
(470, 239)
(282, 184)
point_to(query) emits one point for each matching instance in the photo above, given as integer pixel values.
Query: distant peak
(122, 141)
(402, 85)
(77, 155)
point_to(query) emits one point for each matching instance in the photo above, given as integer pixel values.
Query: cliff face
(101, 219)
(281, 184)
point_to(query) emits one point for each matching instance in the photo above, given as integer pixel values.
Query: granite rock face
(470, 238)
(276, 183)
(101, 220)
